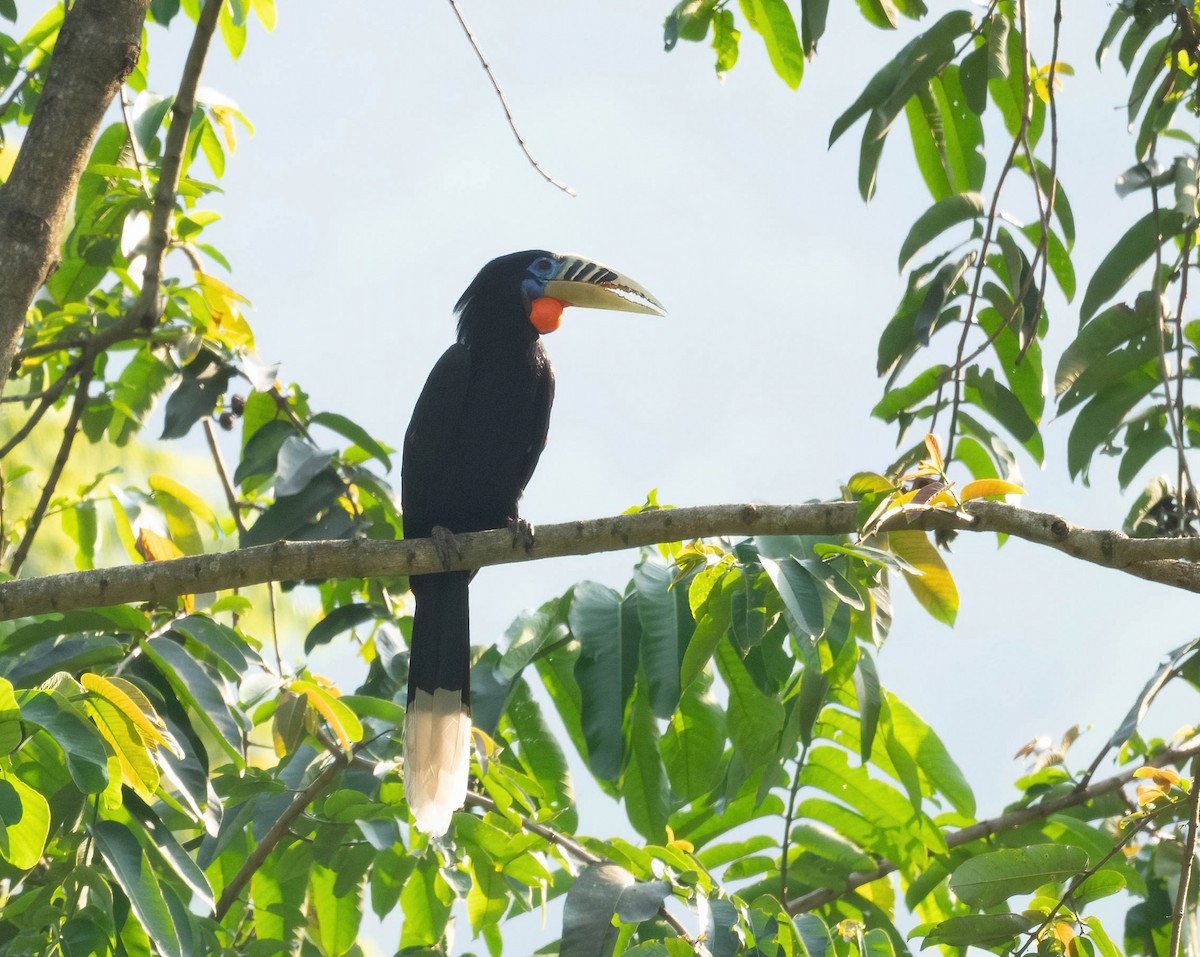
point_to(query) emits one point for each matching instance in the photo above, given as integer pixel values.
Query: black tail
(437, 725)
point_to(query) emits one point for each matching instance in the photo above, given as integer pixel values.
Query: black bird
(477, 431)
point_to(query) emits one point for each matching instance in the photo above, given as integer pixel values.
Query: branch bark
(97, 47)
(1171, 561)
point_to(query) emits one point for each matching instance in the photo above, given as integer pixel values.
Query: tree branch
(1171, 561)
(145, 311)
(279, 829)
(97, 47)
(995, 825)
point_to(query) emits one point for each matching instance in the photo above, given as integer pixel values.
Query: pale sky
(383, 175)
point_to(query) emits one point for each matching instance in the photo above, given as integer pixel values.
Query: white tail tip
(437, 758)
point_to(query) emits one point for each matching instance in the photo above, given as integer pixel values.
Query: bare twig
(512, 124)
(49, 397)
(60, 461)
(214, 449)
(1169, 561)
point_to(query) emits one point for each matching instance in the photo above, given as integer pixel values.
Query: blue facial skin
(534, 286)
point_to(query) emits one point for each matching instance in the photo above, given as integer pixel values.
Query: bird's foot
(522, 533)
(446, 544)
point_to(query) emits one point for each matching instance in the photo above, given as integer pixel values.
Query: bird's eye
(542, 267)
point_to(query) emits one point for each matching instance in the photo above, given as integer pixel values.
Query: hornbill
(477, 431)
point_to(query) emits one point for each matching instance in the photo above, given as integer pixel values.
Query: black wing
(543, 400)
(435, 417)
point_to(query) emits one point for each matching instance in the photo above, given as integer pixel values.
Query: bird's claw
(445, 544)
(522, 533)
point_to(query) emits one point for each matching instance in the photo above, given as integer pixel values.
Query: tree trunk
(97, 47)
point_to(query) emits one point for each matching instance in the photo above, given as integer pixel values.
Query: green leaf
(644, 783)
(937, 219)
(1102, 416)
(355, 433)
(772, 20)
(666, 628)
(813, 15)
(906, 398)
(336, 909)
(607, 630)
(294, 516)
(926, 129)
(588, 929)
(1099, 885)
(801, 593)
(123, 855)
(725, 41)
(933, 761)
(755, 719)
(205, 380)
(693, 746)
(1132, 251)
(870, 702)
(198, 692)
(980, 930)
(982, 390)
(24, 823)
(82, 746)
(1114, 326)
(992, 878)
(879, 13)
(425, 903)
(541, 755)
(340, 619)
(688, 21)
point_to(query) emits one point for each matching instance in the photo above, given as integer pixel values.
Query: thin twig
(787, 824)
(60, 461)
(49, 397)
(1188, 865)
(223, 473)
(146, 310)
(512, 124)
(1022, 132)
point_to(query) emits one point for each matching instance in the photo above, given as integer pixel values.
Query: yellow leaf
(982, 488)
(223, 116)
(194, 503)
(135, 706)
(154, 548)
(935, 451)
(1165, 778)
(137, 766)
(1148, 794)
(934, 587)
(342, 720)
